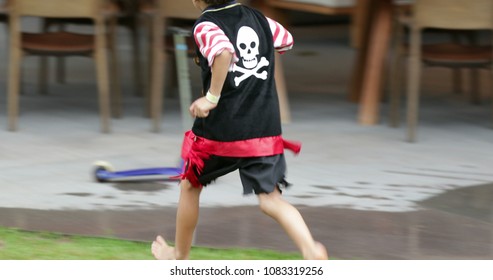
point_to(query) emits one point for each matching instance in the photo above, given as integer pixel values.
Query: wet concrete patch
(79, 194)
(420, 174)
(363, 196)
(455, 172)
(325, 187)
(475, 202)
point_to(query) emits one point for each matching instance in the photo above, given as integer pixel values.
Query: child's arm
(220, 69)
(283, 40)
(215, 46)
(201, 107)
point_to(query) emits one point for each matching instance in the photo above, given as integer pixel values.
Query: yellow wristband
(212, 98)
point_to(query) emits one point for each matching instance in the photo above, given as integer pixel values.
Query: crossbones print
(248, 47)
(252, 72)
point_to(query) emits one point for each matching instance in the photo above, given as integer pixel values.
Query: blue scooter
(104, 172)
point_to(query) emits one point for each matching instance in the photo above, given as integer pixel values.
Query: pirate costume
(244, 131)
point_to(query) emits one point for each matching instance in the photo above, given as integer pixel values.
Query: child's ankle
(317, 252)
(181, 256)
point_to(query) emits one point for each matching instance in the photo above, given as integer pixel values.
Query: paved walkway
(366, 193)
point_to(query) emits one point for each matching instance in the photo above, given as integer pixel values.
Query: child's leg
(186, 221)
(292, 222)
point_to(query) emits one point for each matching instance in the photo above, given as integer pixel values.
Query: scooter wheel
(101, 166)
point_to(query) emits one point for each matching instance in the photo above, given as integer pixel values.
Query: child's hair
(216, 2)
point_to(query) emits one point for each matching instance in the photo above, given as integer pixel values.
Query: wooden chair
(121, 13)
(117, 13)
(58, 44)
(442, 15)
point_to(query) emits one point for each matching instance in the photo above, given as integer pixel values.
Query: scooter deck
(104, 172)
(166, 173)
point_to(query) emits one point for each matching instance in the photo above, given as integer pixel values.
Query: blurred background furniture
(455, 15)
(370, 34)
(60, 43)
(374, 19)
(119, 13)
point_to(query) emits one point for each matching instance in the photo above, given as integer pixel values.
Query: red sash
(197, 149)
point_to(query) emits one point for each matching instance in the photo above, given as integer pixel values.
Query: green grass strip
(18, 244)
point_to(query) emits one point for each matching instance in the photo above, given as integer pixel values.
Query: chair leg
(491, 84)
(148, 81)
(137, 68)
(157, 73)
(413, 86)
(60, 70)
(456, 72)
(103, 88)
(114, 72)
(395, 91)
(457, 81)
(60, 64)
(13, 88)
(43, 75)
(475, 93)
(413, 100)
(395, 75)
(156, 98)
(472, 38)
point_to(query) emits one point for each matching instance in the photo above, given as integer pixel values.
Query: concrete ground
(364, 191)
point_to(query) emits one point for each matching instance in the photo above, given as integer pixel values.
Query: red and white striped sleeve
(212, 41)
(283, 40)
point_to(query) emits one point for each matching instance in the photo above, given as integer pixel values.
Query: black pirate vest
(249, 106)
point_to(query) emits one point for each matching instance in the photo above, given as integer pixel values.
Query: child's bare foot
(319, 252)
(161, 250)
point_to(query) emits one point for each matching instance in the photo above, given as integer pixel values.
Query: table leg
(361, 29)
(378, 45)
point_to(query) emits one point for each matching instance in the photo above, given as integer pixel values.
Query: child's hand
(200, 108)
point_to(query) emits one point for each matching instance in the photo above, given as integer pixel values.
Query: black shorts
(257, 174)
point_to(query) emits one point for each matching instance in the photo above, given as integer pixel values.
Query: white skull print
(247, 43)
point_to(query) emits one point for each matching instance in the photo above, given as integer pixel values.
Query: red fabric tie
(197, 149)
